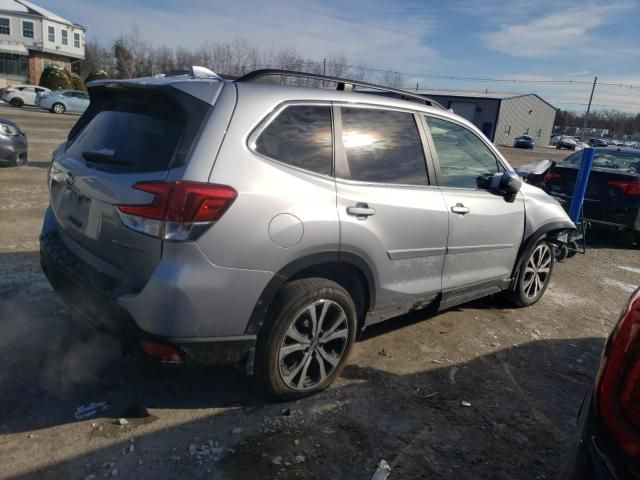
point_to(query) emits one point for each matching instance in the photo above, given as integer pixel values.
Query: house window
(14, 65)
(27, 29)
(65, 37)
(52, 34)
(76, 40)
(5, 28)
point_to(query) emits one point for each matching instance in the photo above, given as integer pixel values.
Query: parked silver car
(232, 220)
(61, 101)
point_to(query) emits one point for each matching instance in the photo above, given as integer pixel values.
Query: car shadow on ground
(39, 164)
(508, 414)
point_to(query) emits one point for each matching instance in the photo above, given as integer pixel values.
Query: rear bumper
(625, 216)
(94, 297)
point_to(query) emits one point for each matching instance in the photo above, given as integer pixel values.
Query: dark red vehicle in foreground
(609, 444)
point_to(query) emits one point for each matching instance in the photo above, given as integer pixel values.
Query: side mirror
(509, 185)
(506, 184)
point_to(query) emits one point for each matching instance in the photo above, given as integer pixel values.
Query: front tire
(58, 108)
(534, 276)
(21, 160)
(16, 102)
(307, 339)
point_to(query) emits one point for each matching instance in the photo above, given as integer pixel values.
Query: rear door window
(462, 156)
(300, 136)
(133, 131)
(382, 146)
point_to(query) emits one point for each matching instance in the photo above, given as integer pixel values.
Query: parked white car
(19, 95)
(554, 139)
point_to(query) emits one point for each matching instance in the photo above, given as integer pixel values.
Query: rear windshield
(131, 131)
(627, 162)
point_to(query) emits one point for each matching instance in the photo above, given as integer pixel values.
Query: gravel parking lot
(479, 391)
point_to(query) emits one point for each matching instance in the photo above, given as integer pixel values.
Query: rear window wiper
(106, 156)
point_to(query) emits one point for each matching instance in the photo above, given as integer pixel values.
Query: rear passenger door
(485, 231)
(29, 95)
(390, 214)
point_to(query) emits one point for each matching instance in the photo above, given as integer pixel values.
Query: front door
(485, 231)
(389, 213)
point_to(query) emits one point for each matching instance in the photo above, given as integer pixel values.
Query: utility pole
(586, 117)
(324, 70)
(417, 86)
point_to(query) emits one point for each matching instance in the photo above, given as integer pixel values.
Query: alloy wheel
(313, 345)
(536, 273)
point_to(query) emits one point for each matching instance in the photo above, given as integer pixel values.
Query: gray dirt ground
(523, 372)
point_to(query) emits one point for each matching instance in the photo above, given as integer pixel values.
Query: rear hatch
(129, 134)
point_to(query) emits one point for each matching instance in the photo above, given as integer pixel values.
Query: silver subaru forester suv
(225, 221)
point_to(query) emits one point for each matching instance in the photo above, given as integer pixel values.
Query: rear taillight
(618, 381)
(630, 187)
(162, 351)
(551, 176)
(180, 210)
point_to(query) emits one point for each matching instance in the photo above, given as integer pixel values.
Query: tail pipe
(581, 185)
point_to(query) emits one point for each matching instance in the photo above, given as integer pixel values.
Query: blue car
(524, 141)
(61, 101)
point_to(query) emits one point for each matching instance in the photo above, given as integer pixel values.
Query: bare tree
(164, 59)
(97, 57)
(391, 79)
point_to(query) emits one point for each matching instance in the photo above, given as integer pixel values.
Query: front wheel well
(549, 231)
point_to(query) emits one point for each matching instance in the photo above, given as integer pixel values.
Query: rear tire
(534, 276)
(58, 108)
(308, 336)
(16, 102)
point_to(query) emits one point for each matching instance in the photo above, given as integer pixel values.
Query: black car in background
(609, 442)
(523, 141)
(598, 142)
(612, 198)
(567, 142)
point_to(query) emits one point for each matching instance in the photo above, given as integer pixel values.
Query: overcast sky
(503, 39)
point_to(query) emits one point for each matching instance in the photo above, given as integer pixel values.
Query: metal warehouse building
(502, 117)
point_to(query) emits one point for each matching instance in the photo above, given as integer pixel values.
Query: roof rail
(343, 83)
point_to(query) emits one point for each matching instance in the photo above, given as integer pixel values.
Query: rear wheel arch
(348, 270)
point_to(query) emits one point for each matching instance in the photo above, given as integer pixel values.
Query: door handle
(361, 210)
(460, 208)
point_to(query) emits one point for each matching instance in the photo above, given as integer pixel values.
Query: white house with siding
(32, 38)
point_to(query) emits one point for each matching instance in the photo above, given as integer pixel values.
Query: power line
(415, 75)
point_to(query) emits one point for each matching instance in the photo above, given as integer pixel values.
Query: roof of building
(24, 6)
(476, 94)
